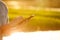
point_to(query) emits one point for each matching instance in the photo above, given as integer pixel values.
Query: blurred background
(47, 13)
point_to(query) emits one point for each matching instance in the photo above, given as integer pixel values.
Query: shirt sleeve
(3, 13)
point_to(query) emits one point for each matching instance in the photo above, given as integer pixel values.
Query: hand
(6, 29)
(16, 24)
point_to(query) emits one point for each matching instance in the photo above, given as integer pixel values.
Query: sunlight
(14, 4)
(41, 35)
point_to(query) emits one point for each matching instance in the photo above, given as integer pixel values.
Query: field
(44, 20)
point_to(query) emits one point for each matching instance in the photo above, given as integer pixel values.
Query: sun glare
(42, 35)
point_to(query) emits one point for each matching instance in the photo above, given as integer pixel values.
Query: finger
(26, 20)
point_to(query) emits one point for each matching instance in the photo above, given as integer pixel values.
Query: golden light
(41, 35)
(14, 4)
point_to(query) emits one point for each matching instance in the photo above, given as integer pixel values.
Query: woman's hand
(16, 24)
